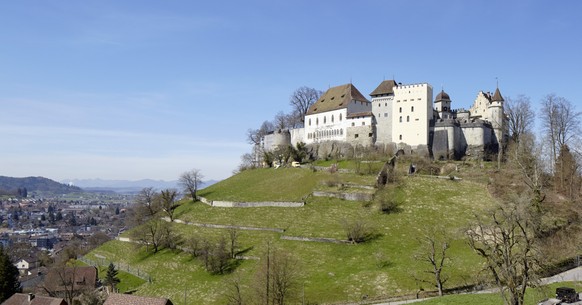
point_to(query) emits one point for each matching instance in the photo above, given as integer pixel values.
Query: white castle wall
(411, 114)
(297, 135)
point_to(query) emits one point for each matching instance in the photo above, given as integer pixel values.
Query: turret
(496, 115)
(442, 105)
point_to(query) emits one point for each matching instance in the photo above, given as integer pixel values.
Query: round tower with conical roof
(442, 104)
(496, 115)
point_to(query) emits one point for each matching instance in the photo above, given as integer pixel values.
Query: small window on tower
(400, 137)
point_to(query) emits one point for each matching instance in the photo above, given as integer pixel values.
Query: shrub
(357, 231)
(387, 206)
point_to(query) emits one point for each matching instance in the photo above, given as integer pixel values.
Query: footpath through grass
(532, 297)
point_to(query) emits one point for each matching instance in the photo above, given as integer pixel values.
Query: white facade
(327, 126)
(411, 114)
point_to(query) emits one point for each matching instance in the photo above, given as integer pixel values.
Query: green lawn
(382, 267)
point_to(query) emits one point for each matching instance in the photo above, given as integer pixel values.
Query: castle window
(353, 124)
(370, 135)
(324, 120)
(309, 121)
(400, 110)
(356, 135)
(363, 123)
(340, 117)
(412, 109)
(316, 121)
(385, 104)
(400, 119)
(385, 114)
(341, 132)
(378, 104)
(332, 118)
(400, 137)
(407, 118)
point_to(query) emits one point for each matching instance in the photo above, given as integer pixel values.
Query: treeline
(23, 186)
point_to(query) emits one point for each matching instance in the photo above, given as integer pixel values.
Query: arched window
(400, 137)
(341, 132)
(412, 109)
(332, 118)
(407, 119)
(400, 119)
(400, 110)
(316, 121)
(340, 117)
(309, 121)
(324, 119)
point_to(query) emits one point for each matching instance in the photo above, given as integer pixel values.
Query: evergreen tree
(111, 279)
(9, 283)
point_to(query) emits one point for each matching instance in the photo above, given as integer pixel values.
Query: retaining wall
(234, 204)
(345, 196)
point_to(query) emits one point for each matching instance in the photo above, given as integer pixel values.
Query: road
(566, 276)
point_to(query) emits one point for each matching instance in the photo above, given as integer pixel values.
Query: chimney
(30, 297)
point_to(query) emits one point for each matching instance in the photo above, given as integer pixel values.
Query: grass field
(381, 267)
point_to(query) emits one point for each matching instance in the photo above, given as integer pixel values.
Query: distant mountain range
(126, 186)
(10, 186)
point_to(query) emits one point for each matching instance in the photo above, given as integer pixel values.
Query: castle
(401, 117)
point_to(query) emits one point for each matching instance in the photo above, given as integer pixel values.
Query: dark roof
(442, 96)
(359, 114)
(497, 96)
(126, 299)
(83, 276)
(336, 98)
(385, 87)
(22, 299)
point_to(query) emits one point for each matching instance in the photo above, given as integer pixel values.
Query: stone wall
(361, 135)
(234, 204)
(345, 196)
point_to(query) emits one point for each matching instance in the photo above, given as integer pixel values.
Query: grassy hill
(384, 266)
(9, 185)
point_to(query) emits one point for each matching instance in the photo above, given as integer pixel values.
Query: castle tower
(382, 99)
(496, 115)
(442, 105)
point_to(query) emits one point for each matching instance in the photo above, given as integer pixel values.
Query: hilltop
(10, 185)
(330, 272)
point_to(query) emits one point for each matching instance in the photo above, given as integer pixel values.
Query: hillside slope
(384, 266)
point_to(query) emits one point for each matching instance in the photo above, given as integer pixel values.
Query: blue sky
(149, 89)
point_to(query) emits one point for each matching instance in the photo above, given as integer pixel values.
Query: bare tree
(566, 174)
(277, 278)
(154, 232)
(233, 239)
(560, 122)
(506, 241)
(281, 120)
(520, 116)
(302, 99)
(234, 293)
(190, 181)
(433, 250)
(168, 204)
(255, 136)
(146, 202)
